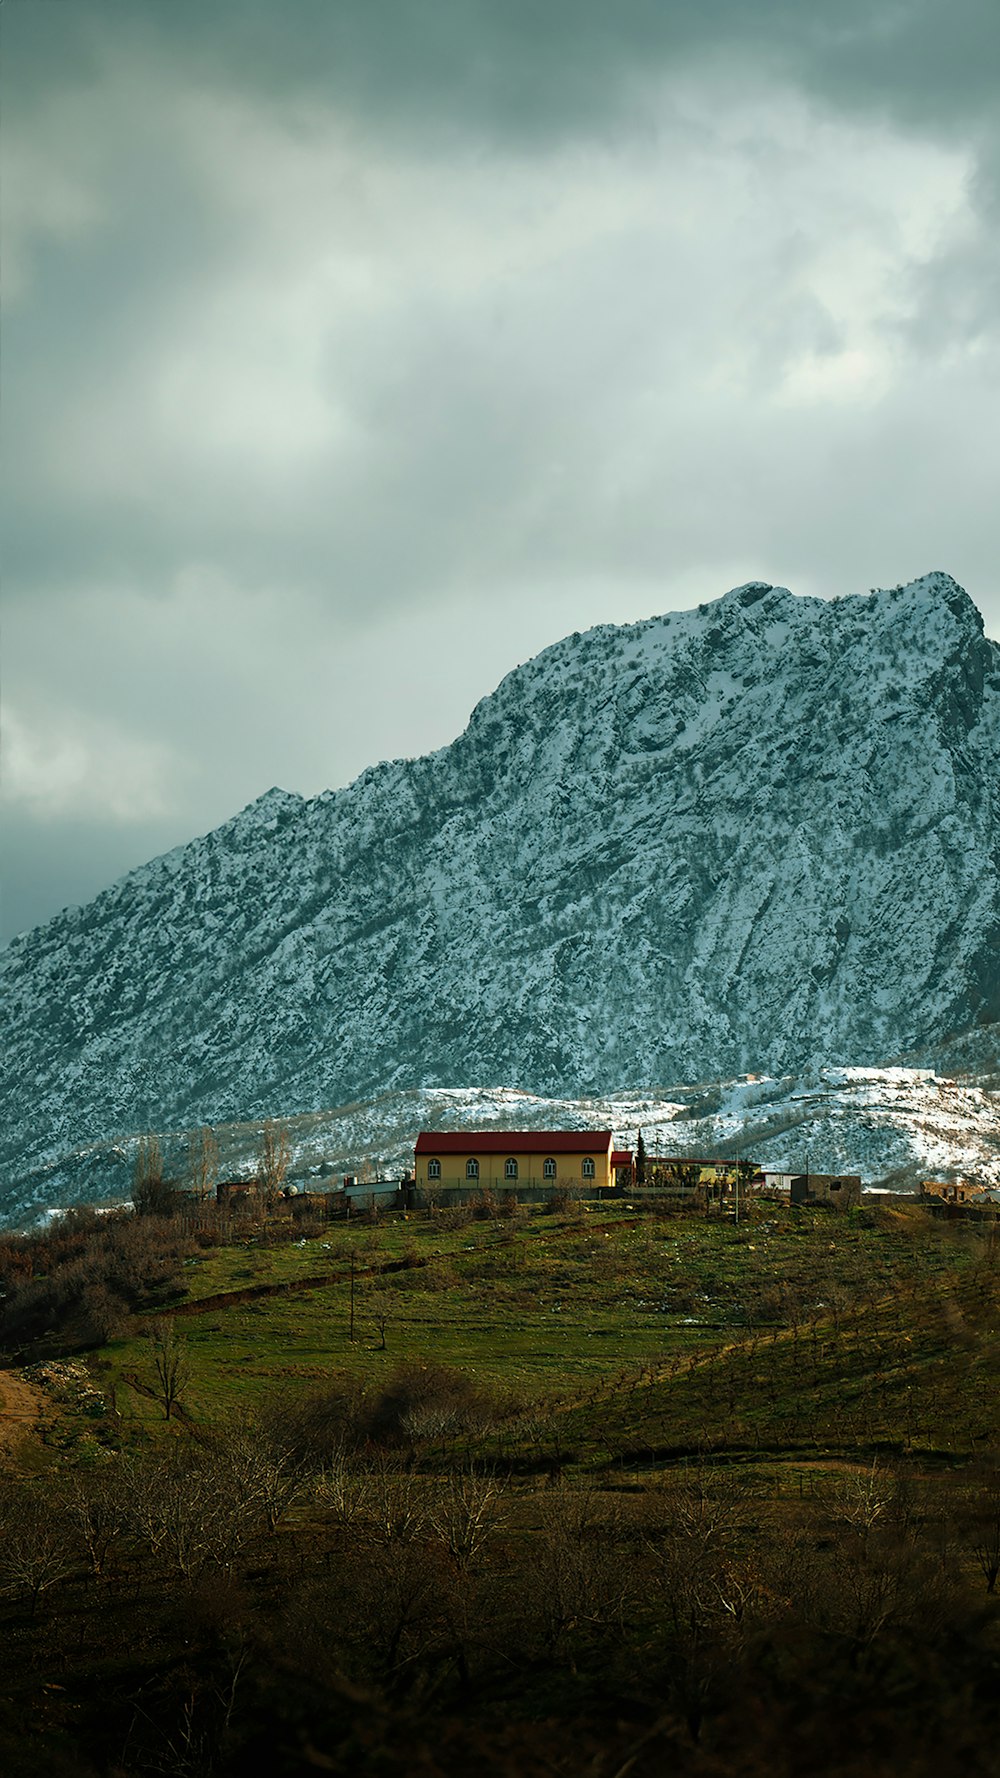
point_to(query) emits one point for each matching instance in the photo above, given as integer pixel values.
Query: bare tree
(468, 1510)
(186, 1514)
(249, 1467)
(98, 1510)
(35, 1552)
(983, 1523)
(395, 1504)
(578, 1582)
(171, 1367)
(152, 1194)
(342, 1487)
(380, 1303)
(273, 1156)
(203, 1164)
(863, 1498)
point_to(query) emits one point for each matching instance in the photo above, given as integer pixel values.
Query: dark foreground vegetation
(587, 1493)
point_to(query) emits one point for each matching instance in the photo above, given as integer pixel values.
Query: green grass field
(620, 1493)
(796, 1329)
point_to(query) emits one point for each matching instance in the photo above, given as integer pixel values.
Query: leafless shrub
(88, 1276)
(256, 1471)
(455, 1216)
(103, 1316)
(396, 1504)
(171, 1367)
(98, 1507)
(981, 1520)
(441, 1274)
(184, 1513)
(565, 1202)
(318, 1429)
(35, 1550)
(510, 1207)
(428, 1401)
(468, 1510)
(484, 1205)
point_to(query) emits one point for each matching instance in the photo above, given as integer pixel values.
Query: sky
(354, 352)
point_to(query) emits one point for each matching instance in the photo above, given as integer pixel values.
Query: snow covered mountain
(761, 835)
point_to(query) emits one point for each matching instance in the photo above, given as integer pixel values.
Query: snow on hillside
(894, 1126)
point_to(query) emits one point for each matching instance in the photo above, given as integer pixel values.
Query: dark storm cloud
(345, 338)
(517, 67)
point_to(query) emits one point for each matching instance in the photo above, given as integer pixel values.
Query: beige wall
(569, 1170)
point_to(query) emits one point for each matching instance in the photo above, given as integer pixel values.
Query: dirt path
(22, 1408)
(231, 1299)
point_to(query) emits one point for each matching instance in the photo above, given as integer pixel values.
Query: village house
(839, 1191)
(623, 1167)
(518, 1160)
(774, 1180)
(954, 1191)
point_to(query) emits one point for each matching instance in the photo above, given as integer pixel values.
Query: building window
(472, 1169)
(510, 1169)
(549, 1169)
(588, 1167)
(434, 1169)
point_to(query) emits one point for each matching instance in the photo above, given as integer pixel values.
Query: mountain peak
(763, 835)
(751, 593)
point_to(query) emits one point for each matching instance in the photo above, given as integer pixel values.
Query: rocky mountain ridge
(762, 835)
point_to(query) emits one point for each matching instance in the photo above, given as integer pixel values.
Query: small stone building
(838, 1191)
(954, 1191)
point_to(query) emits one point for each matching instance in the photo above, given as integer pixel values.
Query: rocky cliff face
(760, 835)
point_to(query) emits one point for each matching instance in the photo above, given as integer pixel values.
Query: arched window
(549, 1168)
(588, 1167)
(434, 1169)
(510, 1169)
(472, 1169)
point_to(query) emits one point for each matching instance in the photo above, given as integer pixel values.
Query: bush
(321, 1427)
(87, 1276)
(428, 1401)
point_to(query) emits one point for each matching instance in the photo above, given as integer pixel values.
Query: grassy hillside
(586, 1492)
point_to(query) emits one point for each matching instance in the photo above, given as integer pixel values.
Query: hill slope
(764, 834)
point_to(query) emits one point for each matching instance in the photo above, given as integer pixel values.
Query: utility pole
(737, 1185)
(352, 1293)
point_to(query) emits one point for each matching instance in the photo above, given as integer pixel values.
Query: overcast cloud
(354, 352)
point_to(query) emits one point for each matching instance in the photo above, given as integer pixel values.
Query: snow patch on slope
(894, 1126)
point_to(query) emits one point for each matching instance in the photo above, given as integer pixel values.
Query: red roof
(512, 1142)
(622, 1157)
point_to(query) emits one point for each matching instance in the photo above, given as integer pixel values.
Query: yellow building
(549, 1160)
